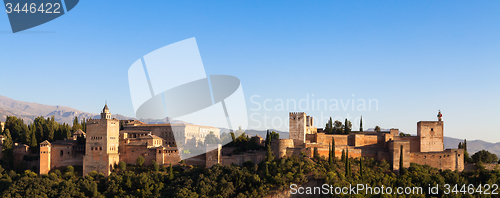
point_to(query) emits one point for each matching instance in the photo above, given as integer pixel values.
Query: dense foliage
(484, 156)
(41, 129)
(251, 180)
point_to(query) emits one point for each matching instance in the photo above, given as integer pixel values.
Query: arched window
(62, 153)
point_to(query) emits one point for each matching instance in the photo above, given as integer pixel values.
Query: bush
(484, 156)
(140, 161)
(122, 165)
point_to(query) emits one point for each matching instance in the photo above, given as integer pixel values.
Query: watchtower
(431, 135)
(45, 149)
(297, 127)
(102, 141)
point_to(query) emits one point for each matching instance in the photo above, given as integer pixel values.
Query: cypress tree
(330, 126)
(343, 155)
(171, 173)
(330, 158)
(361, 124)
(346, 127)
(268, 138)
(361, 167)
(333, 148)
(7, 152)
(465, 145)
(267, 170)
(269, 154)
(33, 143)
(347, 163)
(401, 160)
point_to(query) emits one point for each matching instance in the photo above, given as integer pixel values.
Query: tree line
(32, 134)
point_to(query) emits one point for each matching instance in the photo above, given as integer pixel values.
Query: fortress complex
(109, 141)
(106, 145)
(426, 148)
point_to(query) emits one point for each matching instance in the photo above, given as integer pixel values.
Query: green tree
(484, 156)
(122, 165)
(155, 165)
(361, 124)
(467, 157)
(211, 139)
(343, 155)
(338, 127)
(333, 148)
(76, 124)
(377, 129)
(401, 161)
(33, 142)
(268, 139)
(233, 137)
(330, 158)
(329, 126)
(347, 164)
(7, 150)
(361, 168)
(269, 153)
(140, 161)
(316, 154)
(267, 169)
(170, 173)
(347, 126)
(83, 124)
(274, 135)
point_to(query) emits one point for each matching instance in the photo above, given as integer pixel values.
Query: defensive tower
(101, 147)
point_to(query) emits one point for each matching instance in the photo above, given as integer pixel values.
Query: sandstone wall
(395, 149)
(297, 127)
(431, 136)
(255, 157)
(452, 159)
(63, 155)
(279, 147)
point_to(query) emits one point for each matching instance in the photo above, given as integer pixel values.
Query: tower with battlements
(298, 123)
(101, 147)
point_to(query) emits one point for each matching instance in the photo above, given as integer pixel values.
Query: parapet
(297, 114)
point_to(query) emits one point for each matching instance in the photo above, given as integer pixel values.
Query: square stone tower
(297, 127)
(102, 141)
(431, 135)
(45, 149)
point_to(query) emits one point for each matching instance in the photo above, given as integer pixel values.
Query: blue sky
(414, 58)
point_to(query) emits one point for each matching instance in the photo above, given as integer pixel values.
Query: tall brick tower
(45, 149)
(431, 134)
(101, 147)
(298, 124)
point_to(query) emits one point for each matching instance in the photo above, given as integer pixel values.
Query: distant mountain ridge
(28, 111)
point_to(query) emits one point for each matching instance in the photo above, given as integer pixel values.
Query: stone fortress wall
(426, 148)
(106, 145)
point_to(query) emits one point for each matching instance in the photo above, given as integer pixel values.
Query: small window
(432, 129)
(62, 153)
